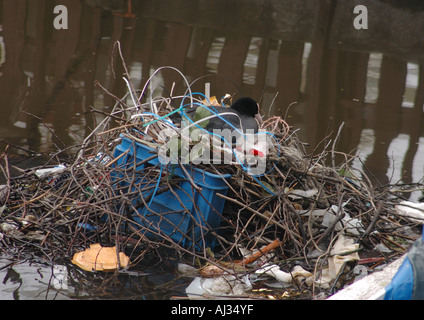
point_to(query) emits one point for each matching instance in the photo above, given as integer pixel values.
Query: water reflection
(25, 279)
(34, 279)
(306, 52)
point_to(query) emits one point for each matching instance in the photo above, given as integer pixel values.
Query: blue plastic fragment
(408, 282)
(400, 288)
(87, 227)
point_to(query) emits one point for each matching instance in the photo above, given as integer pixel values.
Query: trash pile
(298, 222)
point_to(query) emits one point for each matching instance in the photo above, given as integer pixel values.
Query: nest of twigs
(85, 201)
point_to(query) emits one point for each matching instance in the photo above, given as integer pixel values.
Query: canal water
(316, 63)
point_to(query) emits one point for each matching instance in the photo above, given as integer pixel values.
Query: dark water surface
(306, 54)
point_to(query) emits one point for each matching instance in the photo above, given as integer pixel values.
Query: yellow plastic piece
(98, 258)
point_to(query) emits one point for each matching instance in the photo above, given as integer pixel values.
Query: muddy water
(304, 60)
(36, 279)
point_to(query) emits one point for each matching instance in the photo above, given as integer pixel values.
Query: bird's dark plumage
(246, 116)
(243, 115)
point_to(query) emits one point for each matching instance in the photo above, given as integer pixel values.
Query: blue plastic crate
(185, 214)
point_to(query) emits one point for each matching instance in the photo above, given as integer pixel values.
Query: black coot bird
(243, 115)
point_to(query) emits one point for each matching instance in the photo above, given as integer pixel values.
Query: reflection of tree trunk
(414, 128)
(257, 90)
(353, 68)
(318, 71)
(89, 43)
(352, 77)
(147, 40)
(387, 115)
(201, 42)
(176, 47)
(67, 62)
(289, 73)
(35, 102)
(260, 78)
(12, 76)
(231, 63)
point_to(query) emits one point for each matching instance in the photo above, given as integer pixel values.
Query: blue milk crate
(185, 214)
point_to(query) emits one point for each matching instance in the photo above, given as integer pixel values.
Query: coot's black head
(246, 106)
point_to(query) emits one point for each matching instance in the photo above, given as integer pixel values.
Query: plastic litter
(87, 227)
(281, 276)
(382, 248)
(299, 194)
(98, 258)
(335, 263)
(42, 173)
(408, 282)
(60, 277)
(337, 260)
(351, 225)
(411, 210)
(370, 287)
(348, 224)
(226, 285)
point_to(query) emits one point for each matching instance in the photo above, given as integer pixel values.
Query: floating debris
(411, 210)
(98, 258)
